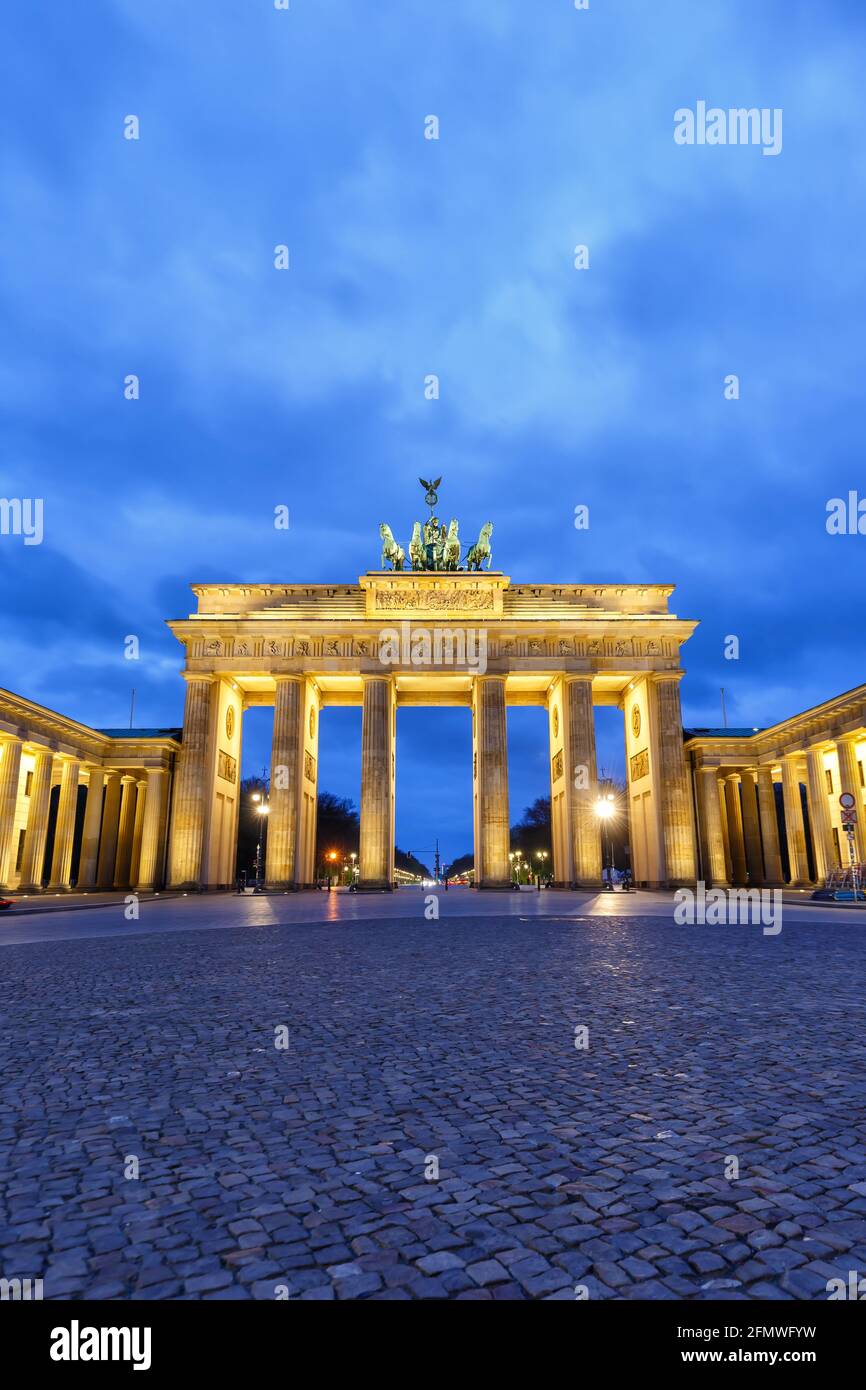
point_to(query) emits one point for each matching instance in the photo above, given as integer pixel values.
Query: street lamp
(262, 810)
(606, 810)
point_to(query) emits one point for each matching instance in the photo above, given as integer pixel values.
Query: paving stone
(306, 1169)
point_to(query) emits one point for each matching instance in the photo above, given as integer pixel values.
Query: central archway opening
(434, 783)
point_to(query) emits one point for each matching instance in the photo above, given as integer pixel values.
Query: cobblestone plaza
(417, 1048)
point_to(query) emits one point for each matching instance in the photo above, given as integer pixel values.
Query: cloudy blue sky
(558, 387)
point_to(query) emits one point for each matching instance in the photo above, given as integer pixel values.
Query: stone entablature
(41, 728)
(250, 631)
(494, 590)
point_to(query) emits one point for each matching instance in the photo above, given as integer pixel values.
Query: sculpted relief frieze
(439, 600)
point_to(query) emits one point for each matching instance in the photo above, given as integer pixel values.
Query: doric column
(87, 864)
(64, 830)
(820, 824)
(33, 863)
(286, 771)
(849, 781)
(124, 833)
(108, 840)
(712, 839)
(190, 784)
(735, 829)
(582, 781)
(140, 804)
(751, 829)
(673, 781)
(769, 829)
(150, 865)
(376, 857)
(492, 830)
(795, 832)
(723, 816)
(10, 776)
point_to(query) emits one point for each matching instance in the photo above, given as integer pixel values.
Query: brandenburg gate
(431, 637)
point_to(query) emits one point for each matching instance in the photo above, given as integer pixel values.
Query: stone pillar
(581, 773)
(125, 829)
(108, 839)
(151, 859)
(677, 823)
(849, 781)
(33, 863)
(10, 776)
(820, 824)
(794, 829)
(721, 787)
(286, 773)
(490, 769)
(769, 829)
(712, 839)
(87, 864)
(64, 830)
(377, 784)
(140, 804)
(752, 829)
(191, 784)
(735, 830)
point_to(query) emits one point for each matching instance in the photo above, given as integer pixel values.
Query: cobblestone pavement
(302, 1171)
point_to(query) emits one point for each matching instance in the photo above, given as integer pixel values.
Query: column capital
(206, 677)
(657, 677)
(127, 778)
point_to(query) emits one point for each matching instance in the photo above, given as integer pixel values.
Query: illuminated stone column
(490, 759)
(10, 776)
(710, 815)
(752, 829)
(820, 824)
(677, 822)
(286, 772)
(33, 862)
(735, 829)
(378, 754)
(581, 773)
(723, 816)
(125, 830)
(849, 781)
(108, 840)
(794, 828)
(769, 829)
(87, 865)
(151, 860)
(140, 806)
(64, 830)
(191, 788)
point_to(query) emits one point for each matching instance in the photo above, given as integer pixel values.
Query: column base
(375, 886)
(495, 887)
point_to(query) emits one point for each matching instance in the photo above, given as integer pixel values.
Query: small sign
(847, 799)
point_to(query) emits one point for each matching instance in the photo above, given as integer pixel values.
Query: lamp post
(606, 810)
(262, 809)
(541, 855)
(331, 858)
